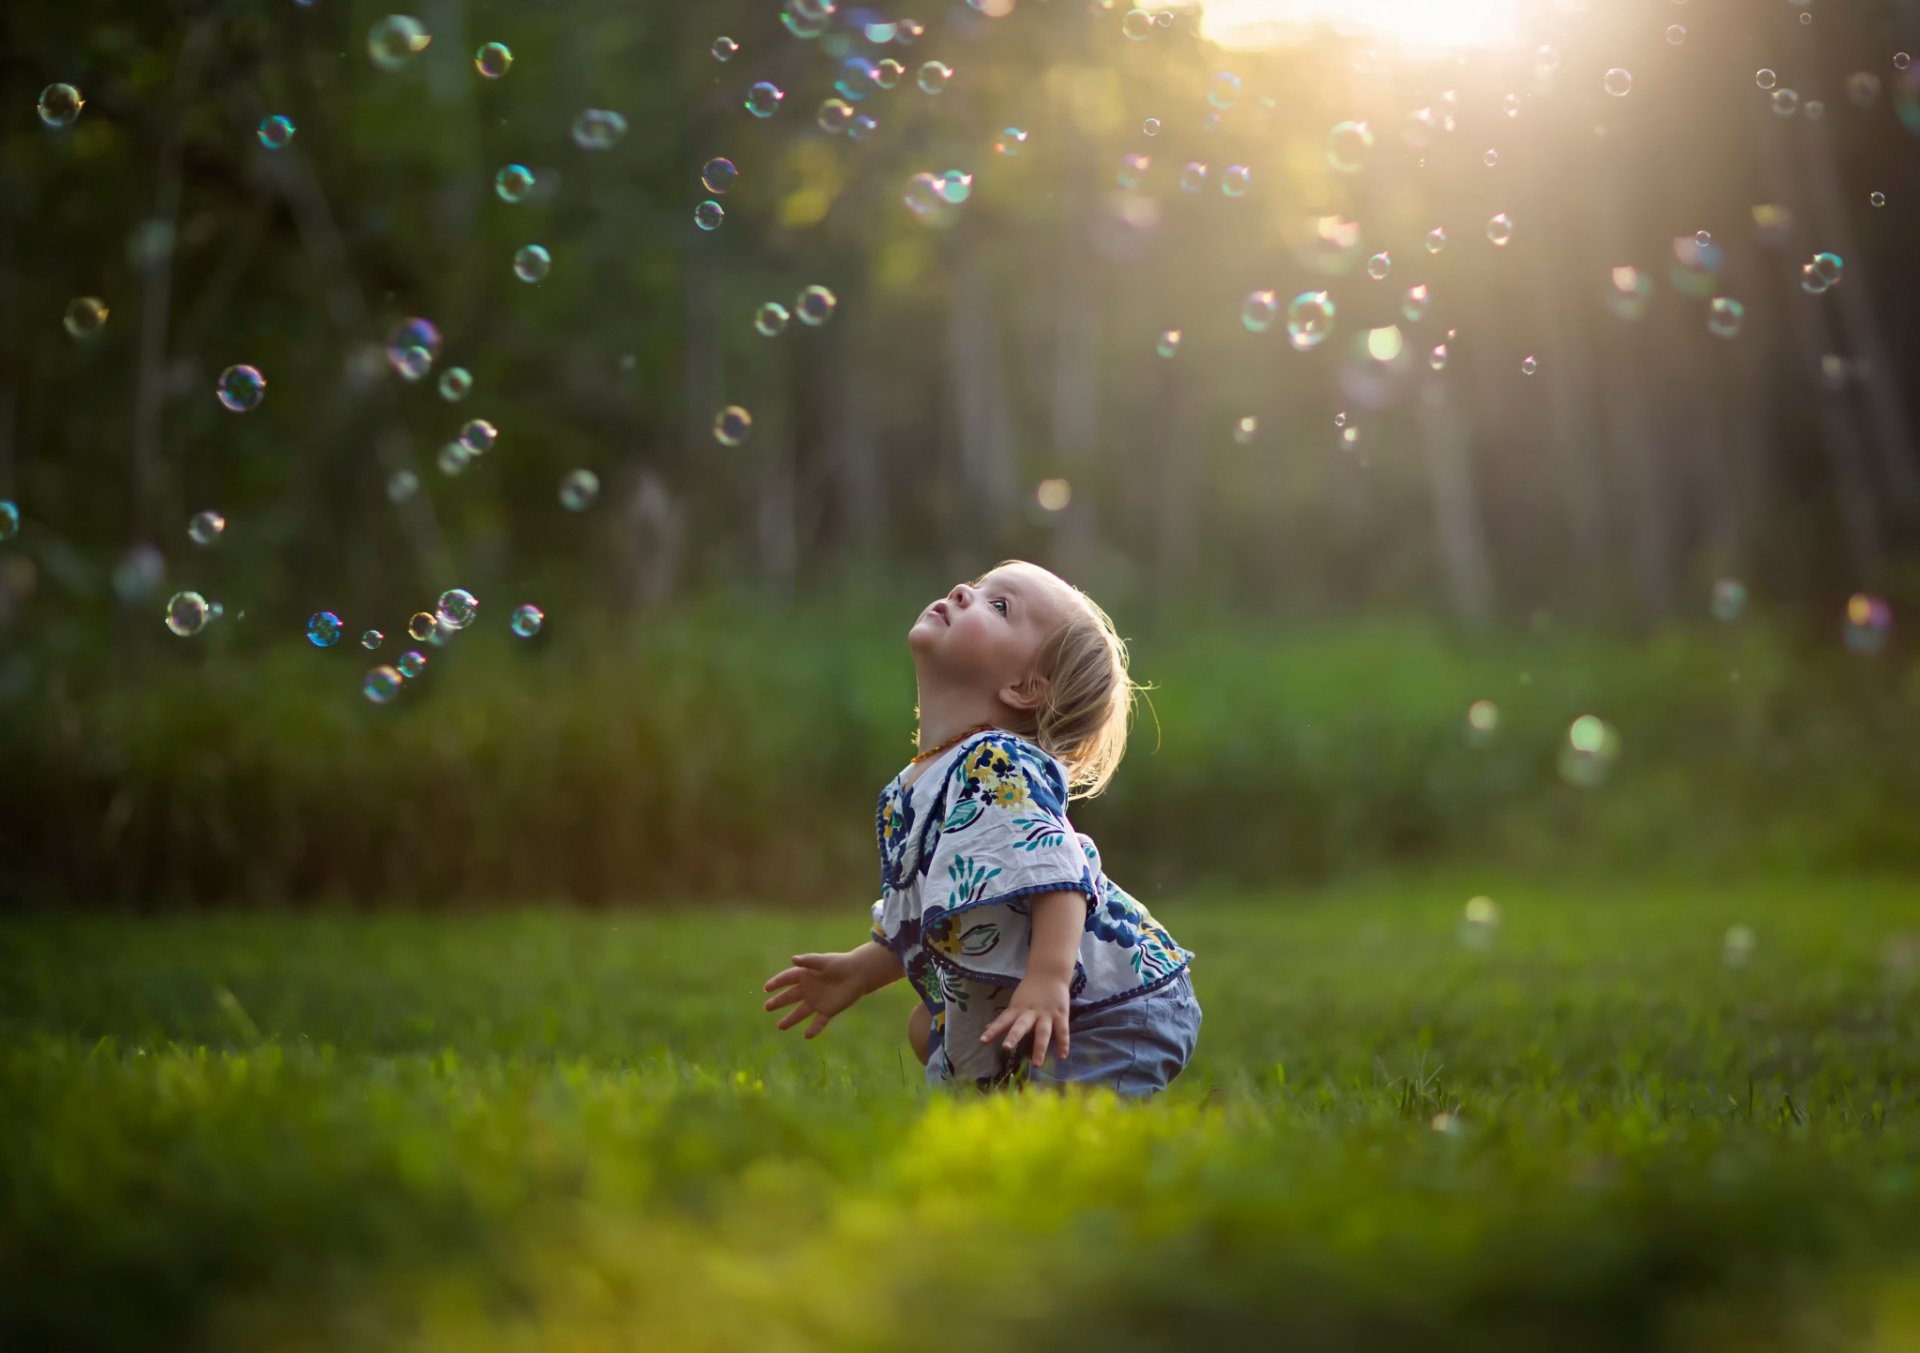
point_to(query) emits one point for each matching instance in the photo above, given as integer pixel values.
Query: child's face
(986, 634)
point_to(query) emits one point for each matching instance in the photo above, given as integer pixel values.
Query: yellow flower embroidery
(1011, 792)
(988, 762)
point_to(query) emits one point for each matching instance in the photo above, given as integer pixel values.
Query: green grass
(538, 1129)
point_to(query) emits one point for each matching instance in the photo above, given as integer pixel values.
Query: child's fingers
(1019, 1029)
(796, 1016)
(1000, 1021)
(786, 977)
(1041, 1037)
(819, 1022)
(787, 997)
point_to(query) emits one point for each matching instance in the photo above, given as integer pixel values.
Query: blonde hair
(1089, 694)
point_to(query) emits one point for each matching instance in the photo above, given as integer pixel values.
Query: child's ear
(1030, 692)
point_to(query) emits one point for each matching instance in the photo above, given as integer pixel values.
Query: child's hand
(823, 984)
(1039, 1004)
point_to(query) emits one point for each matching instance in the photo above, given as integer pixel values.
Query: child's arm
(877, 966)
(1040, 1001)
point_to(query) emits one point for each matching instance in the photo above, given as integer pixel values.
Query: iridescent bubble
(924, 193)
(731, 425)
(1725, 316)
(1436, 240)
(1491, 158)
(599, 129)
(372, 639)
(1546, 57)
(455, 384)
(1703, 238)
(770, 320)
(492, 60)
(578, 489)
(1349, 437)
(1259, 311)
(1512, 105)
(422, 624)
(887, 74)
(203, 528)
(86, 316)
(1589, 752)
(458, 608)
(1500, 230)
(806, 19)
(531, 263)
(403, 485)
(724, 48)
(862, 127)
(274, 132)
(1136, 24)
(1420, 128)
(414, 363)
(1132, 166)
(323, 629)
(1379, 266)
(859, 77)
(453, 458)
(1877, 199)
(709, 214)
(956, 186)
(1869, 619)
(1617, 82)
(1414, 307)
(1729, 600)
(1676, 34)
(59, 105)
(717, 175)
(1829, 266)
(1223, 91)
(1348, 146)
(1309, 319)
(1245, 429)
(412, 663)
(1193, 177)
(815, 306)
(241, 388)
(934, 77)
(1785, 101)
(527, 620)
(1901, 61)
(763, 99)
(835, 116)
(396, 40)
(1529, 364)
(1236, 180)
(1151, 127)
(1010, 142)
(1765, 78)
(9, 519)
(1437, 359)
(479, 436)
(908, 31)
(513, 183)
(381, 685)
(186, 613)
(412, 333)
(1629, 293)
(1164, 19)
(1168, 343)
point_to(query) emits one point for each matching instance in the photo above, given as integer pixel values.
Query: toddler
(992, 906)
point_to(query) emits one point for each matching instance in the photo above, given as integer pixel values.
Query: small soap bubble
(1309, 319)
(1259, 310)
(1529, 364)
(858, 78)
(1236, 180)
(1546, 57)
(908, 31)
(1168, 343)
(1725, 316)
(1164, 19)
(527, 620)
(241, 388)
(1491, 158)
(724, 48)
(531, 263)
(763, 98)
(1512, 105)
(414, 363)
(835, 116)
(479, 436)
(1877, 199)
(1815, 110)
(770, 320)
(1676, 34)
(86, 316)
(1010, 142)
(1414, 307)
(381, 685)
(862, 127)
(956, 186)
(59, 105)
(1349, 437)
(709, 214)
(492, 60)
(275, 132)
(1194, 176)
(924, 193)
(1136, 24)
(1340, 419)
(421, 624)
(1479, 922)
(1629, 293)
(599, 129)
(412, 663)
(1151, 127)
(407, 336)
(1728, 601)
(717, 175)
(1348, 145)
(815, 306)
(888, 73)
(1379, 266)
(186, 613)
(203, 528)
(1223, 91)
(578, 489)
(1245, 429)
(1483, 722)
(1829, 266)
(396, 40)
(456, 382)
(1765, 78)
(1785, 101)
(934, 77)
(1901, 61)
(1437, 359)
(1618, 82)
(731, 425)
(457, 608)
(323, 629)
(372, 639)
(1588, 755)
(1133, 166)
(1811, 280)
(1869, 619)
(1500, 230)
(1436, 240)
(402, 486)
(1053, 495)
(9, 519)
(453, 458)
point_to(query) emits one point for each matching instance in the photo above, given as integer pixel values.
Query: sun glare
(1413, 25)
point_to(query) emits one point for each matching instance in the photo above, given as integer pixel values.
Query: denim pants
(1137, 1046)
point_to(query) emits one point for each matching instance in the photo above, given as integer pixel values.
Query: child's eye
(1000, 602)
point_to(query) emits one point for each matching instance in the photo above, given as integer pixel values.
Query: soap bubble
(381, 685)
(717, 175)
(1379, 266)
(412, 663)
(1729, 599)
(770, 319)
(1546, 57)
(1811, 281)
(1436, 240)
(86, 316)
(403, 485)
(1500, 230)
(1618, 82)
(1512, 105)
(1309, 319)
(1151, 127)
(1132, 166)
(1164, 19)
(835, 116)
(455, 383)
(709, 214)
(1785, 101)
(1491, 158)
(1348, 145)
(457, 608)
(372, 639)
(1136, 24)
(1877, 199)
(731, 425)
(60, 105)
(1479, 923)
(186, 613)
(274, 132)
(1765, 78)
(1010, 142)
(578, 489)
(955, 187)
(858, 78)
(1629, 293)
(9, 519)
(1587, 756)
(1829, 267)
(934, 77)
(1223, 91)
(414, 363)
(815, 306)
(887, 74)
(1414, 307)
(1168, 343)
(1236, 181)
(599, 129)
(861, 127)
(1193, 177)
(1676, 34)
(924, 193)
(1483, 722)
(1258, 311)
(1725, 316)
(1901, 61)
(1868, 621)
(323, 629)
(396, 40)
(453, 458)
(421, 624)
(203, 528)
(1529, 364)
(492, 60)
(513, 183)
(479, 436)
(763, 99)
(527, 620)
(241, 388)
(1244, 430)
(724, 48)
(531, 263)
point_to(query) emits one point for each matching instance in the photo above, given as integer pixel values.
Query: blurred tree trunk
(858, 465)
(1074, 413)
(980, 399)
(776, 474)
(1456, 508)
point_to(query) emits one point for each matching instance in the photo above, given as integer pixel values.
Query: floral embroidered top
(979, 831)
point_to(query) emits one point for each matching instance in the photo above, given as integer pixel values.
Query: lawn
(1598, 1124)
